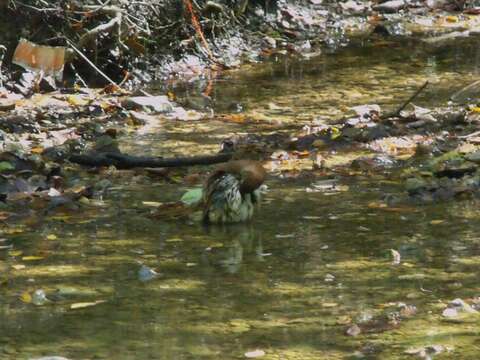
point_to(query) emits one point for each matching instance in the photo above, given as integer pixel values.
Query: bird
(232, 191)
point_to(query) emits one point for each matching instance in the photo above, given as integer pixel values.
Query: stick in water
(410, 99)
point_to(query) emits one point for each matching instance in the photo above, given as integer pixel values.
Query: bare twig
(460, 95)
(3, 50)
(475, 133)
(91, 34)
(404, 105)
(198, 28)
(113, 10)
(102, 5)
(91, 64)
(15, 2)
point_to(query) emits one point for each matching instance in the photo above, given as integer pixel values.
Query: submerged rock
(391, 6)
(159, 104)
(353, 330)
(414, 185)
(473, 157)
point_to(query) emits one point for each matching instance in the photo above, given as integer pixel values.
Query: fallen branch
(107, 27)
(92, 64)
(475, 133)
(397, 112)
(123, 161)
(3, 50)
(463, 94)
(198, 28)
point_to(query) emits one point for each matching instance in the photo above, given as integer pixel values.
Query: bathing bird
(232, 191)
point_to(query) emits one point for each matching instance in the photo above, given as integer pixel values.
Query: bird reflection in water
(242, 245)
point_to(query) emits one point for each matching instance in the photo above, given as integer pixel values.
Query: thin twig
(117, 20)
(33, 7)
(198, 27)
(101, 6)
(3, 50)
(457, 97)
(475, 133)
(397, 112)
(92, 64)
(84, 84)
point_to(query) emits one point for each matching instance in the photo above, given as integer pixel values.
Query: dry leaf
(48, 59)
(254, 354)
(26, 297)
(78, 100)
(82, 305)
(396, 257)
(32, 258)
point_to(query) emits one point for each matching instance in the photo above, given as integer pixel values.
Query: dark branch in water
(123, 161)
(404, 105)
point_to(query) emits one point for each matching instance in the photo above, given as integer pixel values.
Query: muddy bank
(141, 42)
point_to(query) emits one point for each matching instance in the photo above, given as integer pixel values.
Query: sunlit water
(292, 281)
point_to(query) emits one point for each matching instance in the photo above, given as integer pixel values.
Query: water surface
(292, 281)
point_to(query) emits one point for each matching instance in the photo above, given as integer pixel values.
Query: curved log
(123, 161)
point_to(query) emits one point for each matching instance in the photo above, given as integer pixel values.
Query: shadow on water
(289, 283)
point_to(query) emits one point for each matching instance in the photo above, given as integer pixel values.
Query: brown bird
(230, 193)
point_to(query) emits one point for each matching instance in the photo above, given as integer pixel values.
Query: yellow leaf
(37, 150)
(77, 100)
(235, 118)
(13, 231)
(26, 297)
(15, 253)
(451, 19)
(52, 237)
(329, 305)
(151, 203)
(436, 222)
(301, 154)
(216, 245)
(174, 240)
(377, 205)
(82, 305)
(32, 258)
(475, 109)
(106, 105)
(18, 267)
(84, 200)
(171, 96)
(335, 133)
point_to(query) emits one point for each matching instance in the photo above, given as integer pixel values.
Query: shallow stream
(292, 281)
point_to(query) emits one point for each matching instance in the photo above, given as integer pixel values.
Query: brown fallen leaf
(234, 118)
(49, 59)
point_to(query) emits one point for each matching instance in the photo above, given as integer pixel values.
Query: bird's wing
(222, 192)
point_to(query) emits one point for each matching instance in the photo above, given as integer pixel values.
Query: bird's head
(250, 173)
